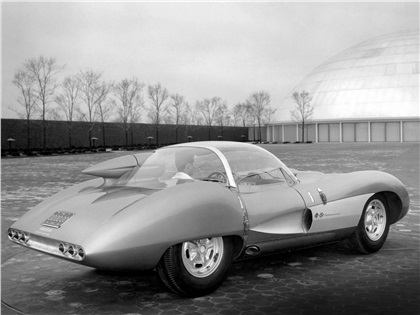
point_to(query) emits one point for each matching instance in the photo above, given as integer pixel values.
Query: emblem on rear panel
(58, 219)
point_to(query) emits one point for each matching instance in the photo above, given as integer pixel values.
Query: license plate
(57, 219)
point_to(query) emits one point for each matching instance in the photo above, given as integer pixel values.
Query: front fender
(349, 185)
(372, 182)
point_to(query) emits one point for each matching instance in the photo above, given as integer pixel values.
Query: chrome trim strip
(231, 180)
(312, 198)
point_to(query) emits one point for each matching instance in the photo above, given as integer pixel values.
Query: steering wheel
(218, 176)
(251, 174)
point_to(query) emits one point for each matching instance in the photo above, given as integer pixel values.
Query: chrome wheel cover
(375, 220)
(202, 257)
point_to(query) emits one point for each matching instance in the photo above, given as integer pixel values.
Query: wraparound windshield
(254, 166)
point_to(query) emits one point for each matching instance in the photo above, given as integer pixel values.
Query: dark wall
(58, 135)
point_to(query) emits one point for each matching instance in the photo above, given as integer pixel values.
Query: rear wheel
(373, 228)
(197, 267)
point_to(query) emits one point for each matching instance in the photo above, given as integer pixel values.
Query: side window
(179, 163)
(254, 168)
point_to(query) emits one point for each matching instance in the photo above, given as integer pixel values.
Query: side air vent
(307, 220)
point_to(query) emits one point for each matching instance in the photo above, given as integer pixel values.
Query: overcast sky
(199, 50)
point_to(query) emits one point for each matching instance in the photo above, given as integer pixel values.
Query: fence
(113, 134)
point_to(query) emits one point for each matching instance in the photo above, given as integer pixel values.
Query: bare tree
(68, 102)
(129, 103)
(242, 113)
(104, 108)
(168, 119)
(44, 70)
(158, 109)
(259, 101)
(104, 111)
(185, 118)
(253, 122)
(193, 119)
(269, 113)
(223, 117)
(303, 110)
(92, 92)
(28, 98)
(178, 104)
(236, 114)
(209, 108)
(194, 115)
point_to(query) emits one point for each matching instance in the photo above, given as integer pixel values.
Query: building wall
(411, 130)
(364, 130)
(253, 134)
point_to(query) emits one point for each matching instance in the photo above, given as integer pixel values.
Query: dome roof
(378, 78)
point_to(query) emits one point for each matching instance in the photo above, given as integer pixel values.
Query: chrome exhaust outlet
(252, 250)
(81, 253)
(72, 251)
(25, 237)
(63, 248)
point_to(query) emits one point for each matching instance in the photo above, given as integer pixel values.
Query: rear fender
(30, 220)
(142, 232)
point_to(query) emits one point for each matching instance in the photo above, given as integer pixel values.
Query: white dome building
(369, 92)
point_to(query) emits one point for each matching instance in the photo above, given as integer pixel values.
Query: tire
(196, 268)
(373, 227)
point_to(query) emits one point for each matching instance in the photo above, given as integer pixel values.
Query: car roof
(221, 145)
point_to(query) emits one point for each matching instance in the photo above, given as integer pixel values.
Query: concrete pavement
(325, 280)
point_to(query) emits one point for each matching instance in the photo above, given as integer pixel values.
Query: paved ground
(324, 280)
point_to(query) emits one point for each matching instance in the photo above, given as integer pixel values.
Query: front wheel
(197, 267)
(373, 228)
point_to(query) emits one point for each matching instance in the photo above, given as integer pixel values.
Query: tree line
(88, 96)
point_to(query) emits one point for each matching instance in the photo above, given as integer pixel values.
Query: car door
(275, 210)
